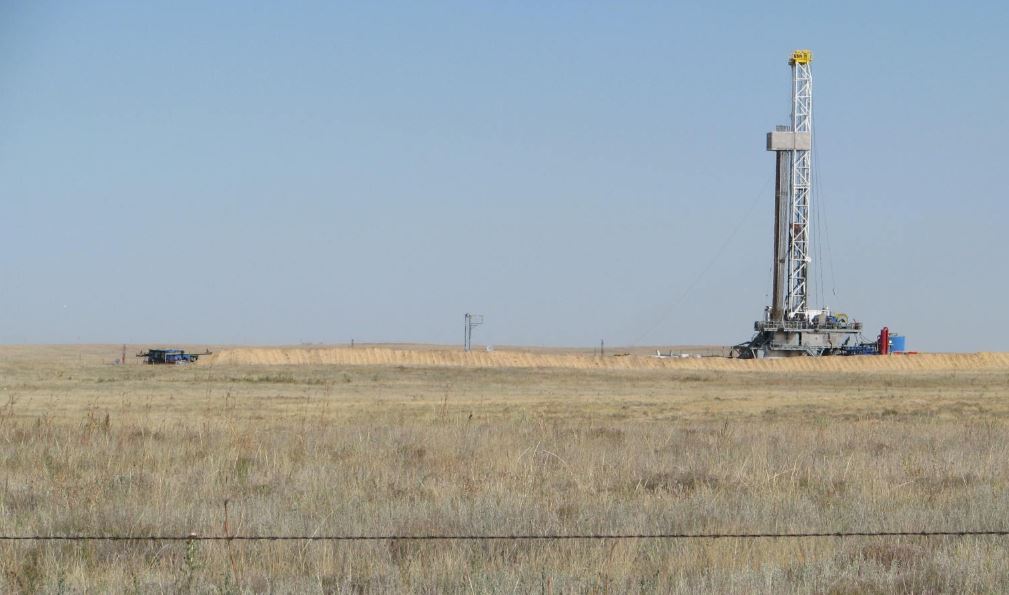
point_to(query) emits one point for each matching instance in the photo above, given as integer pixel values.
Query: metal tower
(470, 321)
(801, 179)
(790, 326)
(792, 144)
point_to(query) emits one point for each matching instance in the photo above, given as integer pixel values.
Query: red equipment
(884, 341)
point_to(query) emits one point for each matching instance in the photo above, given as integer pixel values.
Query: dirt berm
(380, 356)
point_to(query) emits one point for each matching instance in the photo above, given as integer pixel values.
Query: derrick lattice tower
(790, 326)
(801, 183)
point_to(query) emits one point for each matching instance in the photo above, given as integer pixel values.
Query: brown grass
(384, 356)
(88, 447)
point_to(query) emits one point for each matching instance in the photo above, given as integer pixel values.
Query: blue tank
(898, 343)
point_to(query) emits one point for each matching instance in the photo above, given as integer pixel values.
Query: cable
(818, 197)
(690, 286)
(546, 537)
(818, 220)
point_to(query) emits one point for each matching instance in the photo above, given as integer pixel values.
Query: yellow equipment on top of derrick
(801, 57)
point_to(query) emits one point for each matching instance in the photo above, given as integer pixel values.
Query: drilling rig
(790, 327)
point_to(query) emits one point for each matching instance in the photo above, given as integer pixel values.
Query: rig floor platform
(786, 338)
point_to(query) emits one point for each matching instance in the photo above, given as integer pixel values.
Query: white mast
(799, 187)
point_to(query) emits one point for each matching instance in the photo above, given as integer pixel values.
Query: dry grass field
(473, 447)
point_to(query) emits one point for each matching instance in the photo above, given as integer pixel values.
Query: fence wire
(533, 537)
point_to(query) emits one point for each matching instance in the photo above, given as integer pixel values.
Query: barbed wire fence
(529, 537)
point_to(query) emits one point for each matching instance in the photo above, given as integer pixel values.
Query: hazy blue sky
(283, 172)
